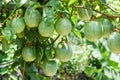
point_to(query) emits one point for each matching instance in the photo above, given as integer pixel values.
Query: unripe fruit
(93, 30)
(63, 26)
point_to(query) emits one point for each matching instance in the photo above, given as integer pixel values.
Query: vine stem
(23, 71)
(9, 15)
(55, 40)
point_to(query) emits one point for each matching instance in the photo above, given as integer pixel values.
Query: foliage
(32, 31)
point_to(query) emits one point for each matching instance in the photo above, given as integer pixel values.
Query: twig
(54, 40)
(9, 15)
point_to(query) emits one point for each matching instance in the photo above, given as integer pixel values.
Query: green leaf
(33, 76)
(77, 33)
(19, 42)
(19, 3)
(101, 76)
(31, 35)
(74, 19)
(8, 33)
(2, 57)
(89, 70)
(113, 64)
(13, 77)
(48, 15)
(5, 45)
(71, 2)
(107, 72)
(39, 55)
(56, 5)
(4, 70)
(105, 55)
(48, 53)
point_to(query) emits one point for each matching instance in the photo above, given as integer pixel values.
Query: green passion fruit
(114, 42)
(63, 26)
(64, 52)
(107, 27)
(92, 31)
(18, 25)
(28, 54)
(46, 30)
(32, 18)
(50, 67)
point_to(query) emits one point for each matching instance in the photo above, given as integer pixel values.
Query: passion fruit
(32, 18)
(63, 26)
(50, 68)
(92, 31)
(46, 30)
(114, 42)
(28, 54)
(107, 28)
(64, 52)
(18, 25)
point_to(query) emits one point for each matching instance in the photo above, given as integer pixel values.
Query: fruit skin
(28, 54)
(93, 30)
(32, 18)
(50, 68)
(46, 30)
(18, 25)
(114, 42)
(64, 52)
(63, 26)
(107, 28)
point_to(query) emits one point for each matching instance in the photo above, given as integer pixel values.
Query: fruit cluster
(94, 30)
(35, 30)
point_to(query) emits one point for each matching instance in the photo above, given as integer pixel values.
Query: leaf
(5, 45)
(74, 19)
(2, 57)
(4, 70)
(19, 3)
(8, 33)
(39, 55)
(48, 53)
(89, 70)
(101, 76)
(19, 42)
(77, 33)
(48, 15)
(107, 72)
(33, 76)
(71, 2)
(105, 55)
(113, 64)
(13, 77)
(31, 35)
(55, 4)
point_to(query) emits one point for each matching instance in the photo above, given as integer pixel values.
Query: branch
(108, 15)
(54, 40)
(108, 7)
